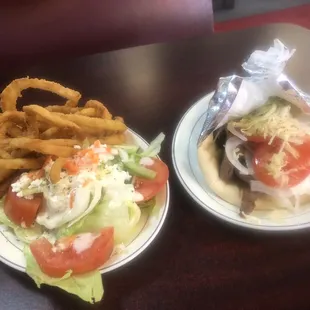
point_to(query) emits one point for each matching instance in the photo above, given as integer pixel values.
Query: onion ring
(96, 125)
(21, 163)
(54, 130)
(90, 112)
(50, 118)
(102, 111)
(9, 95)
(231, 144)
(42, 146)
(56, 169)
(62, 109)
(15, 116)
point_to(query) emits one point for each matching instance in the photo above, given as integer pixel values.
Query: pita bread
(209, 162)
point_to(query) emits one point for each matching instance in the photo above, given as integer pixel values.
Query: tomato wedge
(296, 169)
(80, 253)
(21, 211)
(149, 188)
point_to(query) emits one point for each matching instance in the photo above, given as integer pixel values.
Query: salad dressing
(138, 197)
(84, 241)
(57, 210)
(92, 183)
(146, 161)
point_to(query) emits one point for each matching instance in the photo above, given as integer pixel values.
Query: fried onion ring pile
(30, 136)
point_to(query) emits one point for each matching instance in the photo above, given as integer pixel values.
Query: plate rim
(204, 206)
(130, 257)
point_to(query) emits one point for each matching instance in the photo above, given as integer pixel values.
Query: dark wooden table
(196, 262)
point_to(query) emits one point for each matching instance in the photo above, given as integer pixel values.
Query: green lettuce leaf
(26, 235)
(86, 286)
(123, 219)
(154, 147)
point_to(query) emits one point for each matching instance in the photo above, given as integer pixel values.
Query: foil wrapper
(236, 96)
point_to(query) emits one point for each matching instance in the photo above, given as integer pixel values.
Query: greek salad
(72, 226)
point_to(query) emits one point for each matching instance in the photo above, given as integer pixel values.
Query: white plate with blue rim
(185, 162)
(149, 226)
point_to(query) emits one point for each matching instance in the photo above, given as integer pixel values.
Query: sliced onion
(281, 195)
(257, 186)
(231, 144)
(285, 202)
(296, 191)
(302, 188)
(248, 161)
(235, 132)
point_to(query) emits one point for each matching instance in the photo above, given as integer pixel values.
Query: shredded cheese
(275, 167)
(287, 147)
(274, 119)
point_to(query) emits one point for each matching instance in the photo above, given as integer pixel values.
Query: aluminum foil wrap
(236, 96)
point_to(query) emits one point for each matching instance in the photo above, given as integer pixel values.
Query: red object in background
(299, 15)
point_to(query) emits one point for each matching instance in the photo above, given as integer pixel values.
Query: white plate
(11, 249)
(185, 161)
